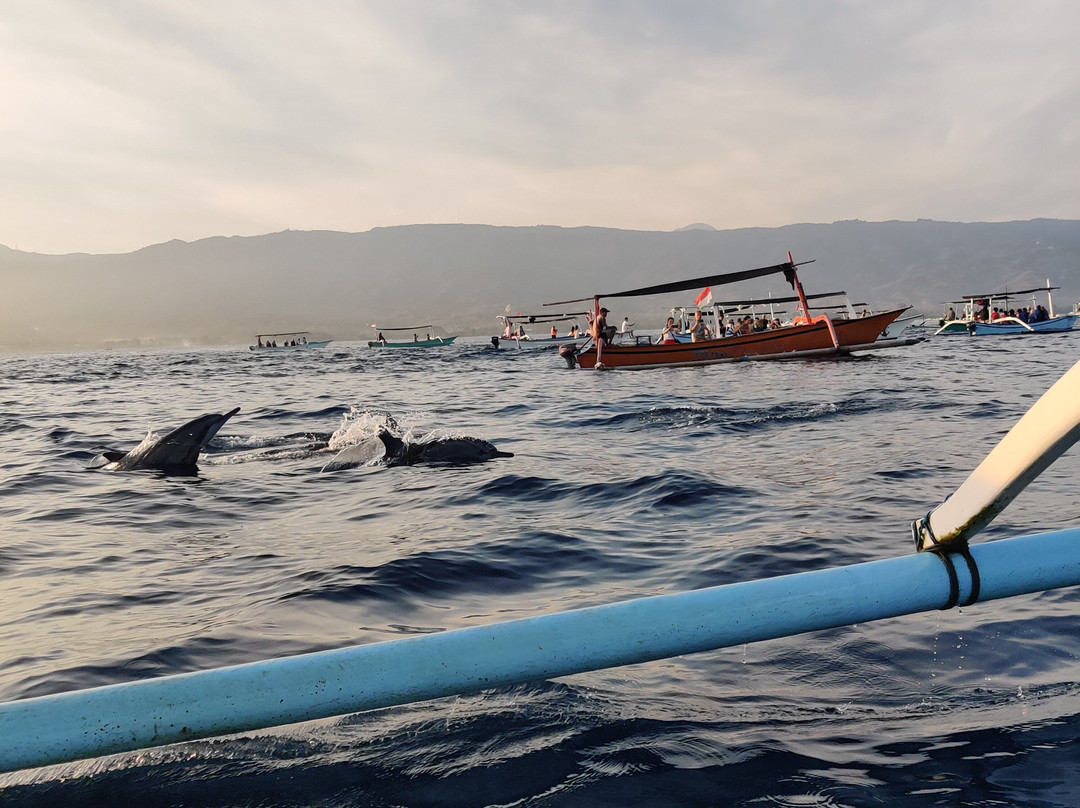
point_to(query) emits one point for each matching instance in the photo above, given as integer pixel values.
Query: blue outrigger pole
(154, 712)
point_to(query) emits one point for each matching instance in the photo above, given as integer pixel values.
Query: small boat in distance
(514, 330)
(985, 315)
(286, 341)
(806, 336)
(430, 341)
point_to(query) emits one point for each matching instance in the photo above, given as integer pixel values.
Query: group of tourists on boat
(750, 325)
(272, 343)
(698, 329)
(1027, 314)
(574, 332)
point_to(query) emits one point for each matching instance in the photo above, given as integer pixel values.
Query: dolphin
(391, 450)
(176, 452)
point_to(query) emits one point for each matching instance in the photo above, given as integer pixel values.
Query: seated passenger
(667, 336)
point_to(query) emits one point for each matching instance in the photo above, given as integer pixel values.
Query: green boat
(381, 341)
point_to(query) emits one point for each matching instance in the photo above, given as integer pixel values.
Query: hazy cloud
(127, 123)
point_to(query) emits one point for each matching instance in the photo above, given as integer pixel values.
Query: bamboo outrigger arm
(1040, 437)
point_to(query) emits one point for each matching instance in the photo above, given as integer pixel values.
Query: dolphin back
(179, 450)
(393, 451)
(364, 453)
(458, 450)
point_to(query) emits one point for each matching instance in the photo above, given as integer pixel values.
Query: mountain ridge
(222, 289)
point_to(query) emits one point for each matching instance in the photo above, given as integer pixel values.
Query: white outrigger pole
(170, 709)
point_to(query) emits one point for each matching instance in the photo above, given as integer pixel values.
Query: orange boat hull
(812, 339)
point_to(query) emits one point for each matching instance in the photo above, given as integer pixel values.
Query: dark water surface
(623, 484)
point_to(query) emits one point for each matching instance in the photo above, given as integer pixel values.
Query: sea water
(622, 484)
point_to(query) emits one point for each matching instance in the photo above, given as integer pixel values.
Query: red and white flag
(705, 298)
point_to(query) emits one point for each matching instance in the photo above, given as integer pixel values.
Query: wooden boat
(380, 341)
(1013, 325)
(514, 330)
(286, 341)
(976, 318)
(805, 337)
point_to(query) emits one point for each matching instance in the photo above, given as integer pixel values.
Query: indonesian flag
(705, 298)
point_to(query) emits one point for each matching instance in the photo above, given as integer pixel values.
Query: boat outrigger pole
(154, 712)
(1039, 438)
(797, 286)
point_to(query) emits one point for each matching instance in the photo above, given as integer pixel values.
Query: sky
(133, 122)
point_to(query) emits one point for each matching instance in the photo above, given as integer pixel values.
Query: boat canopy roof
(1006, 295)
(1036, 289)
(763, 301)
(401, 327)
(787, 268)
(286, 334)
(540, 318)
(842, 306)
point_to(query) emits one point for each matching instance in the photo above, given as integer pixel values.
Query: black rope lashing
(973, 568)
(964, 552)
(954, 581)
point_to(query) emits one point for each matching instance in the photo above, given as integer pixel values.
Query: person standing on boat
(554, 332)
(699, 331)
(600, 328)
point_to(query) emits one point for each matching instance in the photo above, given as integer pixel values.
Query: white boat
(286, 341)
(515, 336)
(908, 324)
(430, 341)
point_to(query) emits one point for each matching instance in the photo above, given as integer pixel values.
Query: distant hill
(222, 290)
